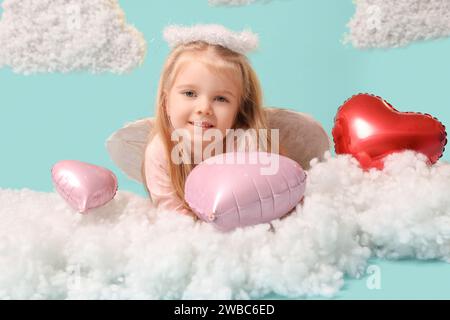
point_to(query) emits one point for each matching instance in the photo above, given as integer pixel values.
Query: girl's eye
(189, 94)
(221, 99)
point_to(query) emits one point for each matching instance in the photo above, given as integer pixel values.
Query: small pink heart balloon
(84, 186)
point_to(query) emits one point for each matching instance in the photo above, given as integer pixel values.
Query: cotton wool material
(242, 42)
(230, 2)
(396, 23)
(68, 35)
(129, 250)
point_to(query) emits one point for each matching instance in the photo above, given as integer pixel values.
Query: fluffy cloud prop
(395, 23)
(68, 35)
(230, 2)
(127, 249)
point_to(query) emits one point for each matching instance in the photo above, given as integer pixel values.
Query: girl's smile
(201, 124)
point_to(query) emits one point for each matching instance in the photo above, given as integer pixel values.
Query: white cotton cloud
(395, 23)
(128, 250)
(68, 35)
(231, 2)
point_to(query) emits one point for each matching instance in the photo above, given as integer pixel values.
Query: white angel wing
(302, 137)
(127, 145)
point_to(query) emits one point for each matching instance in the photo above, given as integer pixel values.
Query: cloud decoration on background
(231, 2)
(396, 23)
(127, 249)
(68, 35)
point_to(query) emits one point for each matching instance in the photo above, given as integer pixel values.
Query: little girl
(205, 84)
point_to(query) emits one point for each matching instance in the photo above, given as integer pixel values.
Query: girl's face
(201, 99)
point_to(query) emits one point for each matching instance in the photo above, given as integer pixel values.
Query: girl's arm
(158, 180)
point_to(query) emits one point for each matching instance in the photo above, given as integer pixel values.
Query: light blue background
(302, 65)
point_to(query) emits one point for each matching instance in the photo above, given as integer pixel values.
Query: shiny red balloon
(369, 128)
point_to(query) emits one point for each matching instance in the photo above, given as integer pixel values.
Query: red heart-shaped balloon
(369, 128)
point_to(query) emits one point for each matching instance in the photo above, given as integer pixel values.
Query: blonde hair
(250, 115)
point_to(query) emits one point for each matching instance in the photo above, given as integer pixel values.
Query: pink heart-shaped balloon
(239, 189)
(84, 186)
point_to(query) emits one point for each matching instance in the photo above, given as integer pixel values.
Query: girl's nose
(204, 107)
